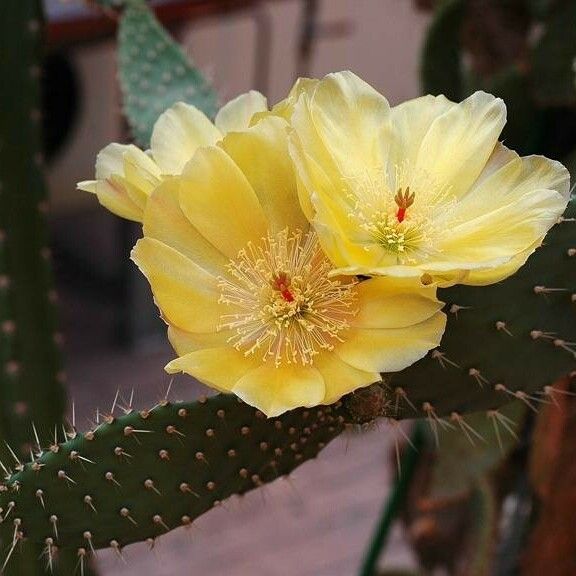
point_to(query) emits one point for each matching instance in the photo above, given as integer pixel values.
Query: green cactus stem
(31, 377)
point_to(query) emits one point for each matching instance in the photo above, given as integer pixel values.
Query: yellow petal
(344, 124)
(185, 342)
(125, 176)
(486, 276)
(220, 203)
(113, 194)
(394, 303)
(341, 378)
(508, 213)
(87, 186)
(219, 368)
(411, 121)
(186, 294)
(110, 160)
(275, 390)
(237, 114)
(341, 239)
(142, 175)
(391, 350)
(459, 141)
(285, 108)
(261, 152)
(178, 133)
(165, 221)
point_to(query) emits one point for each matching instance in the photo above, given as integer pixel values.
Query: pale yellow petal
(142, 175)
(165, 221)
(285, 108)
(186, 294)
(185, 342)
(391, 350)
(220, 203)
(87, 186)
(411, 121)
(113, 194)
(459, 142)
(219, 368)
(125, 177)
(275, 390)
(394, 303)
(329, 211)
(341, 378)
(344, 124)
(261, 152)
(486, 276)
(508, 213)
(110, 160)
(237, 114)
(178, 133)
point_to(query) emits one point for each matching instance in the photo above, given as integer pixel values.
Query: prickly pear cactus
(137, 476)
(154, 72)
(32, 399)
(505, 341)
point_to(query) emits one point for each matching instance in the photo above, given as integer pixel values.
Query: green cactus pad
(441, 67)
(553, 58)
(505, 341)
(471, 451)
(137, 476)
(154, 72)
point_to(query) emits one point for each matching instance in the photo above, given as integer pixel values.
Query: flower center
(285, 306)
(401, 210)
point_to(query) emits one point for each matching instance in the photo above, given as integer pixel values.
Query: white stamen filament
(286, 306)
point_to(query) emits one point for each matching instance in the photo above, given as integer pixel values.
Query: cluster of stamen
(283, 303)
(401, 210)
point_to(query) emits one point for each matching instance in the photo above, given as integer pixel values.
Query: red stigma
(404, 199)
(281, 282)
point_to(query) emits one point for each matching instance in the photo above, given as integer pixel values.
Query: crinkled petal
(178, 133)
(237, 114)
(391, 350)
(218, 200)
(411, 120)
(508, 214)
(220, 368)
(186, 294)
(344, 124)
(261, 152)
(460, 140)
(275, 390)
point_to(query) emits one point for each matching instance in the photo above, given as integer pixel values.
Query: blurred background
(315, 524)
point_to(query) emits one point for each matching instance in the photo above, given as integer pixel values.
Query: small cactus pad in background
(154, 72)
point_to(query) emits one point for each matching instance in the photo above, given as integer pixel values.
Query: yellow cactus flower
(126, 176)
(421, 189)
(249, 297)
